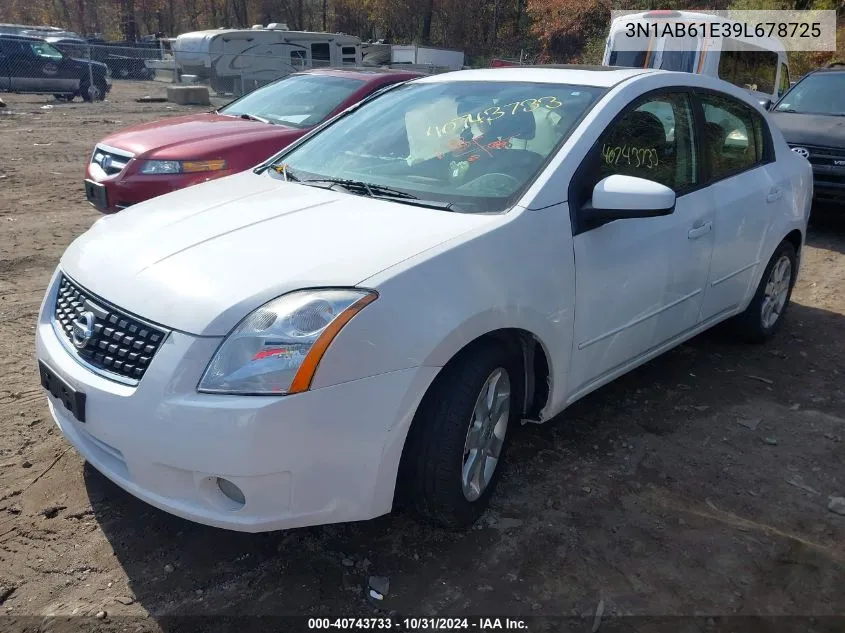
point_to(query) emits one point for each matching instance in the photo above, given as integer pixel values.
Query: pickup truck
(30, 64)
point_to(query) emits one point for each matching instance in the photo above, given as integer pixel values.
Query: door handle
(774, 195)
(699, 231)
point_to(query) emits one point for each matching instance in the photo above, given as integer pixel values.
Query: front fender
(516, 275)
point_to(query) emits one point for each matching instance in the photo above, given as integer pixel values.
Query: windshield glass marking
(474, 146)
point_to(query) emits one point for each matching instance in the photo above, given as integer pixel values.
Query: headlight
(181, 166)
(276, 349)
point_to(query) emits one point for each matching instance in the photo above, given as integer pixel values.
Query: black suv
(811, 116)
(30, 64)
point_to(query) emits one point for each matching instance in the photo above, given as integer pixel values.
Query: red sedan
(148, 160)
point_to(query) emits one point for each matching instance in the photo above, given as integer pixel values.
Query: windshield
(475, 146)
(73, 50)
(297, 100)
(820, 93)
(633, 55)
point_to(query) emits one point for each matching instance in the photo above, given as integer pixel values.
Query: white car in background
(370, 314)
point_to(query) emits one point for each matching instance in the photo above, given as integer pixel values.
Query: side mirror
(620, 197)
(767, 104)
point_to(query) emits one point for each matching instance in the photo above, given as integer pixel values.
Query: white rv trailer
(427, 56)
(232, 59)
(758, 64)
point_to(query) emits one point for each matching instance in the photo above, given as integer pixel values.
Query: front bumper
(129, 187)
(826, 189)
(324, 456)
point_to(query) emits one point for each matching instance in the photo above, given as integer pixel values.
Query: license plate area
(97, 195)
(73, 400)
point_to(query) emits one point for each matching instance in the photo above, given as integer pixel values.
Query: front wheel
(457, 443)
(764, 315)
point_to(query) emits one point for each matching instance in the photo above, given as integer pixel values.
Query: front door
(39, 67)
(639, 283)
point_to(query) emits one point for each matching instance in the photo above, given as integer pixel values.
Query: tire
(753, 325)
(95, 93)
(437, 462)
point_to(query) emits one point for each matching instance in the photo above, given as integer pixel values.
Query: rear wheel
(764, 315)
(94, 92)
(457, 444)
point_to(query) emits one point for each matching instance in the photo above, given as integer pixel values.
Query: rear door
(5, 84)
(20, 67)
(745, 194)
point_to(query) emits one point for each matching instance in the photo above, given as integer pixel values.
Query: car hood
(191, 136)
(200, 259)
(811, 129)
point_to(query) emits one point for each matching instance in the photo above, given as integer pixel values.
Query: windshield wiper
(416, 202)
(378, 192)
(370, 189)
(252, 117)
(790, 110)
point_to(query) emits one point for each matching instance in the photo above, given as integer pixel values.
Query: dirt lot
(652, 497)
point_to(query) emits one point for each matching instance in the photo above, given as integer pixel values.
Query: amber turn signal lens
(194, 166)
(302, 379)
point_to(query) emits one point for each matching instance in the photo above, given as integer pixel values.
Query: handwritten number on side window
(645, 157)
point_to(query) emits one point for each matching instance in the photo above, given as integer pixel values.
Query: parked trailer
(427, 56)
(234, 60)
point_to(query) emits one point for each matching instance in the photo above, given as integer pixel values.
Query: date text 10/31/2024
(419, 624)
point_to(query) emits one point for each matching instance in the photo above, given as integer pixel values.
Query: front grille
(118, 343)
(110, 161)
(825, 156)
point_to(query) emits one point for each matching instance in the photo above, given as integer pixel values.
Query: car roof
(832, 69)
(64, 40)
(362, 72)
(25, 38)
(576, 74)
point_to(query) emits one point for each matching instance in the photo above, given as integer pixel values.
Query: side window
(10, 47)
(748, 66)
(733, 135)
(783, 82)
(727, 64)
(654, 140)
(298, 59)
(45, 51)
(679, 53)
(320, 54)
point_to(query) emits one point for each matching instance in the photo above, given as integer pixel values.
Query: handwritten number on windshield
(491, 114)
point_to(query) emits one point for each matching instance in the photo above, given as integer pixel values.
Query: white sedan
(368, 315)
